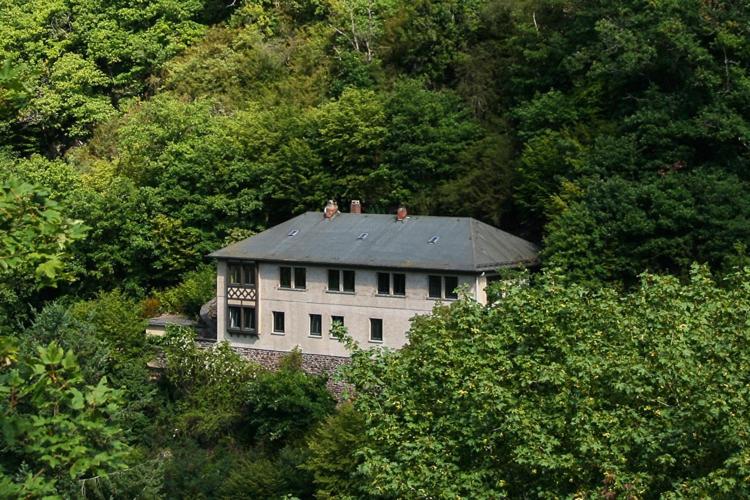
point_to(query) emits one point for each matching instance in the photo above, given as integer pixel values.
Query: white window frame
(382, 333)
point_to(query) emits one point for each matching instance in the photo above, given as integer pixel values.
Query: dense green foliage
(203, 119)
(282, 405)
(247, 424)
(197, 288)
(35, 240)
(138, 136)
(103, 427)
(55, 429)
(621, 228)
(67, 64)
(334, 455)
(558, 390)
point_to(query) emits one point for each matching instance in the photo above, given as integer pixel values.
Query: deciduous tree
(559, 390)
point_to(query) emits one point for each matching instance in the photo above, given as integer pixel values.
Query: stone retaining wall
(311, 363)
(314, 364)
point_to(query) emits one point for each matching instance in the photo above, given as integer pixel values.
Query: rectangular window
(451, 283)
(316, 325)
(242, 319)
(348, 281)
(384, 283)
(435, 287)
(285, 277)
(399, 284)
(339, 280)
(300, 277)
(248, 274)
(235, 317)
(278, 322)
(397, 280)
(235, 274)
(298, 273)
(248, 319)
(334, 283)
(376, 329)
(443, 287)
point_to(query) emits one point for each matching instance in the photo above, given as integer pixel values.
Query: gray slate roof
(171, 319)
(463, 244)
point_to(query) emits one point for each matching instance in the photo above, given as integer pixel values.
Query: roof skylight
(293, 232)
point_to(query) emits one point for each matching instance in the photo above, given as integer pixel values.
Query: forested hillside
(615, 132)
(138, 136)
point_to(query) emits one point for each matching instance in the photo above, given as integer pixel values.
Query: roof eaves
(493, 266)
(355, 265)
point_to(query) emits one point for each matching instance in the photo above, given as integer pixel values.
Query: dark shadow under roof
(458, 244)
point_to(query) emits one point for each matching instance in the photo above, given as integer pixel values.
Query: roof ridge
(394, 215)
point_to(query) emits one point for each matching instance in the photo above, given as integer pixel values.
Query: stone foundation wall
(314, 364)
(311, 363)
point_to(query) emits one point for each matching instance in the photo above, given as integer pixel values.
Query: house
(288, 285)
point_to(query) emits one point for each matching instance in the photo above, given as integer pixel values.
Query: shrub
(207, 384)
(194, 472)
(283, 405)
(334, 454)
(107, 335)
(197, 288)
(56, 429)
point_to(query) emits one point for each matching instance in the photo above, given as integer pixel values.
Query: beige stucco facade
(356, 308)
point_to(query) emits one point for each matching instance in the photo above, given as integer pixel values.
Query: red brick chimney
(355, 207)
(331, 210)
(401, 214)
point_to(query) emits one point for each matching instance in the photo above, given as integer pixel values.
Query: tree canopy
(559, 390)
(138, 136)
(177, 123)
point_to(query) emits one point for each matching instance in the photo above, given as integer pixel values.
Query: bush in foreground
(559, 390)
